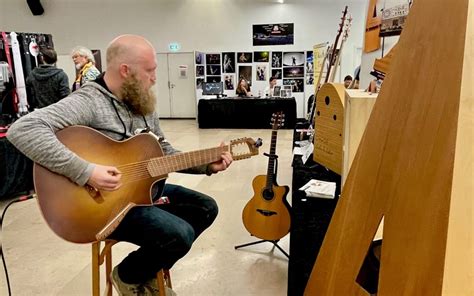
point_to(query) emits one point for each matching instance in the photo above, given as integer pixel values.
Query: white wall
(204, 25)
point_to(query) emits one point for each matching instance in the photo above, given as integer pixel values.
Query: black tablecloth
(16, 171)
(309, 222)
(244, 112)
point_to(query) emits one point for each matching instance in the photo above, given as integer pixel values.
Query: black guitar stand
(274, 242)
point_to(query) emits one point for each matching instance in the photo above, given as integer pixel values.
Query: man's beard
(137, 99)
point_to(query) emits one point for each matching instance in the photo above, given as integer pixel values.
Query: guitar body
(267, 215)
(77, 214)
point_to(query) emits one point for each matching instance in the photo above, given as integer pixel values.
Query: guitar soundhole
(268, 194)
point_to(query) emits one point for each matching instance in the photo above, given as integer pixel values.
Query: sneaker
(153, 284)
(149, 288)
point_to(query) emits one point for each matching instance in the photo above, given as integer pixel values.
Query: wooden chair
(104, 254)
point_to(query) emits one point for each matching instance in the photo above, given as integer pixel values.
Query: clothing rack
(28, 43)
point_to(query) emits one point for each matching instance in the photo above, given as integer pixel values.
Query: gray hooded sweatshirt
(46, 85)
(92, 106)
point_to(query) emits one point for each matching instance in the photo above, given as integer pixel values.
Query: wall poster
(319, 53)
(273, 34)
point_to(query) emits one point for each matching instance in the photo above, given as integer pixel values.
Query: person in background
(46, 84)
(271, 85)
(355, 83)
(85, 66)
(243, 88)
(347, 81)
(118, 104)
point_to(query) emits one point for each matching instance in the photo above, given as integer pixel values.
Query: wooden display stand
(357, 108)
(414, 168)
(328, 126)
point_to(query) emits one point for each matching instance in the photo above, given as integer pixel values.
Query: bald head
(128, 49)
(130, 58)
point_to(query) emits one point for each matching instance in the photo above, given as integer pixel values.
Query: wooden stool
(101, 255)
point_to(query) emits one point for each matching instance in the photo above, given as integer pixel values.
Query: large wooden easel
(414, 168)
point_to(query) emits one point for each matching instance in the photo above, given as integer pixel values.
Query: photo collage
(294, 70)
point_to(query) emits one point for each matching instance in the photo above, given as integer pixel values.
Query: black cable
(18, 199)
(124, 135)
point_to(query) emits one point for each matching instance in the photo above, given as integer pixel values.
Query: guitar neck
(334, 49)
(172, 163)
(336, 62)
(272, 160)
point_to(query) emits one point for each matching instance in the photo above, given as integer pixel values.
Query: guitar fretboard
(180, 161)
(271, 160)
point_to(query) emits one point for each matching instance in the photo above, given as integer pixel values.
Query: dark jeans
(164, 233)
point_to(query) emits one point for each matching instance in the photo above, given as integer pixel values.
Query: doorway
(174, 86)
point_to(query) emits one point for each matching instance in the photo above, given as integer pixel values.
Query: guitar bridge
(266, 213)
(93, 192)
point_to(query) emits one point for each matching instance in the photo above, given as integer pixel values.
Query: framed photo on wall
(261, 72)
(244, 57)
(273, 34)
(229, 81)
(199, 70)
(213, 79)
(277, 73)
(293, 59)
(261, 56)
(228, 62)
(297, 85)
(213, 58)
(276, 59)
(246, 73)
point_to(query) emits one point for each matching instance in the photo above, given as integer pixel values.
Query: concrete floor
(40, 263)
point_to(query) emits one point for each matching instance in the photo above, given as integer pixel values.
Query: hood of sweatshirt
(44, 72)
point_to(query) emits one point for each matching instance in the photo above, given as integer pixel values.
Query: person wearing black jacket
(46, 84)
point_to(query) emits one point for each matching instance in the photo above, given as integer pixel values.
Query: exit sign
(174, 46)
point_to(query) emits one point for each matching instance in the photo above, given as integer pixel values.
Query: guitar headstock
(343, 21)
(347, 27)
(278, 120)
(244, 148)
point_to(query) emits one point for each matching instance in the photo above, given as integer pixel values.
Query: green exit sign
(174, 46)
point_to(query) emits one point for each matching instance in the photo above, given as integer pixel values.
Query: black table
(244, 112)
(16, 171)
(309, 222)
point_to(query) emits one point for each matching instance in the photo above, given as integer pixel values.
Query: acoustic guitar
(331, 60)
(335, 50)
(83, 214)
(267, 214)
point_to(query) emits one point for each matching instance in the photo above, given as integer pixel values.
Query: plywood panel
(328, 126)
(357, 108)
(407, 168)
(459, 264)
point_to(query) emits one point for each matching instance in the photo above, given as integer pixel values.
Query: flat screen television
(212, 88)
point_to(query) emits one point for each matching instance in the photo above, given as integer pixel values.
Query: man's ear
(124, 70)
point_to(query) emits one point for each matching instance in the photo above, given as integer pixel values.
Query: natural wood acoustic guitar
(267, 214)
(83, 214)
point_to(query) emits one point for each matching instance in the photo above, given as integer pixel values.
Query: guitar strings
(135, 171)
(140, 170)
